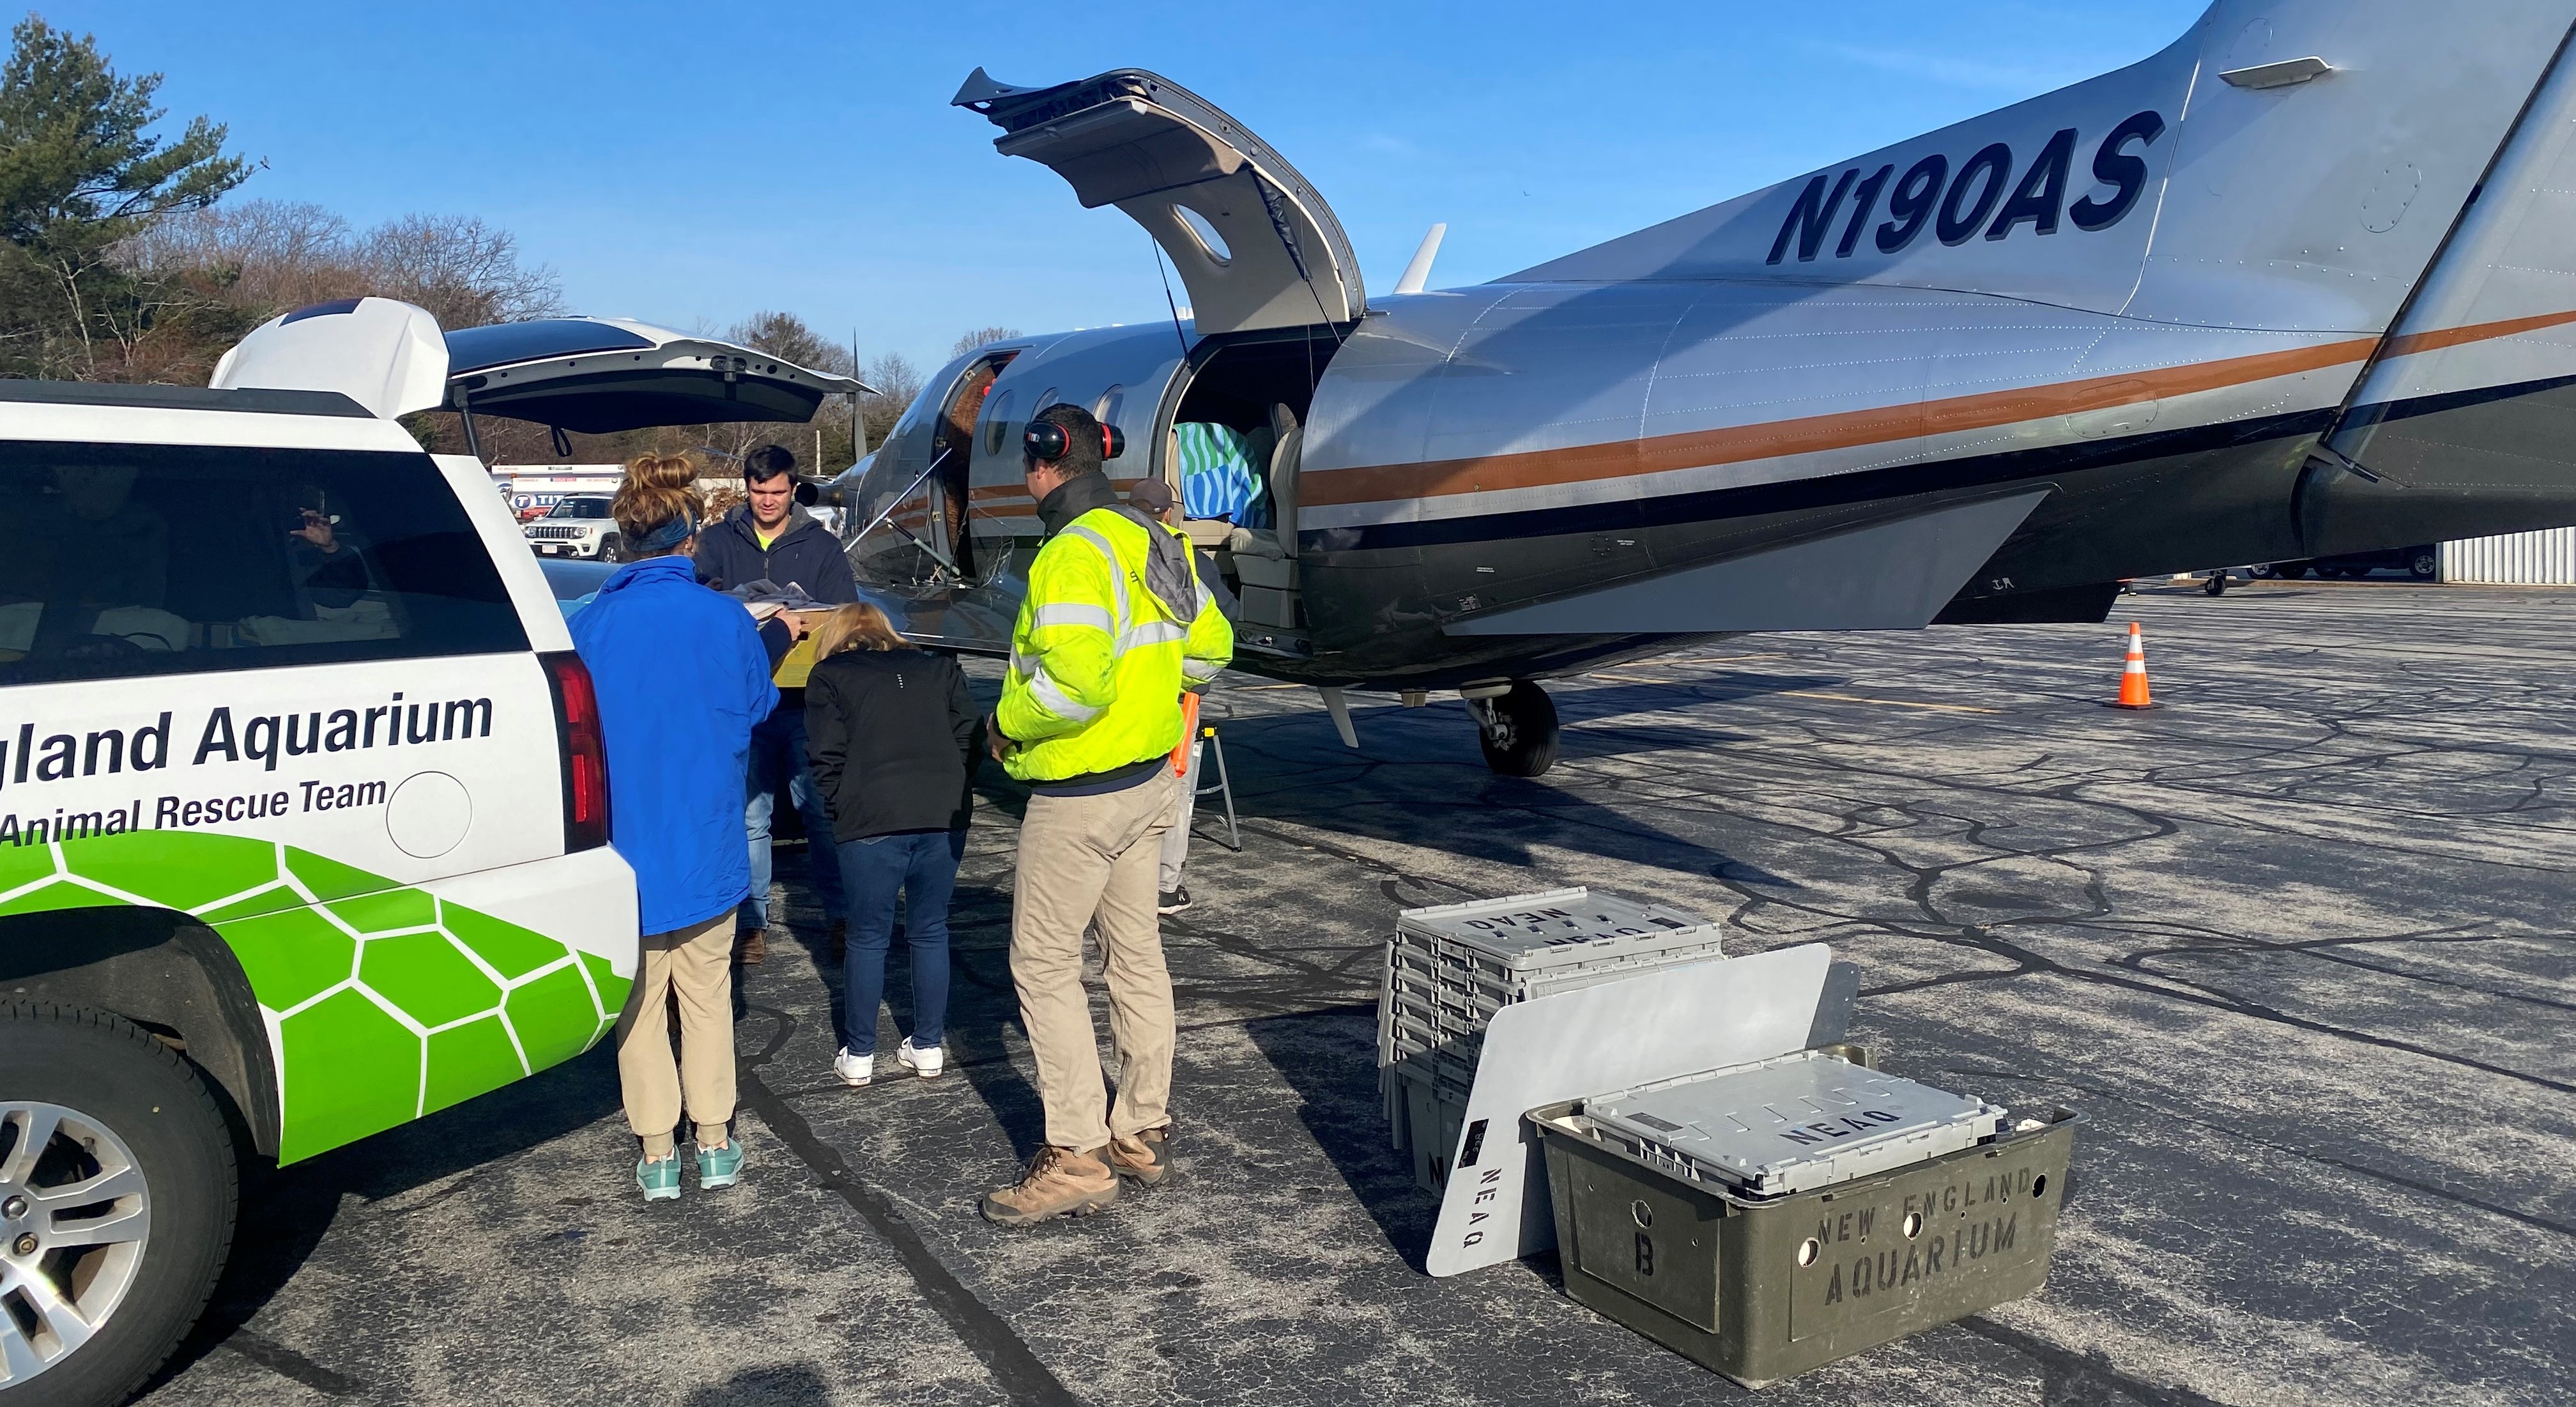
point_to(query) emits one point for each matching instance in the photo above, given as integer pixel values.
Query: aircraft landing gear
(1518, 729)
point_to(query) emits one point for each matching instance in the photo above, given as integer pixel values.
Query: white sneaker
(854, 1070)
(925, 1063)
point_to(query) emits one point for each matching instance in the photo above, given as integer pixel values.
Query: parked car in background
(2423, 563)
(574, 584)
(578, 527)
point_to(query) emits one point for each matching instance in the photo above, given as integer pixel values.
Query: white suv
(578, 527)
(303, 797)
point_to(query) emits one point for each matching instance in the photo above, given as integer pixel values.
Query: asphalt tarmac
(2296, 942)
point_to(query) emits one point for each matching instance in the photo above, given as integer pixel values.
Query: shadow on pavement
(759, 1387)
(1420, 771)
(286, 1212)
(1329, 1058)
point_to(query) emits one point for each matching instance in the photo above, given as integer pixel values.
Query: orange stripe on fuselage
(1809, 435)
(1854, 429)
(2414, 343)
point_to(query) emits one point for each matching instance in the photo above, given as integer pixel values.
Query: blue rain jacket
(682, 677)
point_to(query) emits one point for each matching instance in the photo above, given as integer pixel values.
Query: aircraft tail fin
(2460, 426)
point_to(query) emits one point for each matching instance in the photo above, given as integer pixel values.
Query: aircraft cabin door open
(1256, 245)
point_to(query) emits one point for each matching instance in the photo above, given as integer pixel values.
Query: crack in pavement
(2237, 1133)
(1015, 1366)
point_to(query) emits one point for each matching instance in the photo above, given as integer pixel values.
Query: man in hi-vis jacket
(1114, 626)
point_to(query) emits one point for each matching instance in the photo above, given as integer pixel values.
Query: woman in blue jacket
(682, 675)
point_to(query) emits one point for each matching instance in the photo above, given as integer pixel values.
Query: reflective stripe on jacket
(1097, 663)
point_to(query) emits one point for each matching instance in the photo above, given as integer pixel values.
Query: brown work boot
(1146, 1157)
(750, 946)
(836, 944)
(1059, 1182)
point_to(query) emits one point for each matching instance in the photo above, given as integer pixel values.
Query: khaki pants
(1090, 861)
(696, 965)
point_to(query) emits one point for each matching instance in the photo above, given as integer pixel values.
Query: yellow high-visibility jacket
(1097, 663)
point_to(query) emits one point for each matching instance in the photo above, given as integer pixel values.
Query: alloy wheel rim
(75, 1217)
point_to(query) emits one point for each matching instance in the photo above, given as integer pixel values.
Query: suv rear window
(120, 560)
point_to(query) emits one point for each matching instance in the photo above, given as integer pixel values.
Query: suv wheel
(612, 550)
(2425, 565)
(118, 1188)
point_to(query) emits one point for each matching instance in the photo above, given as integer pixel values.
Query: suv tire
(2425, 566)
(611, 549)
(101, 1084)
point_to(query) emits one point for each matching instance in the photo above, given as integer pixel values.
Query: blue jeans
(778, 760)
(921, 866)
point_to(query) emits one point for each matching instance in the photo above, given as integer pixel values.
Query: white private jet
(2301, 284)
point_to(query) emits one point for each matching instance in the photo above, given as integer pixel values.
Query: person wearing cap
(681, 675)
(1113, 626)
(1171, 894)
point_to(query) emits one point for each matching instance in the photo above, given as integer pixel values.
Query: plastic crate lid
(1522, 926)
(1794, 1121)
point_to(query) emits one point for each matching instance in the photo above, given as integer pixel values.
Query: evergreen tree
(79, 174)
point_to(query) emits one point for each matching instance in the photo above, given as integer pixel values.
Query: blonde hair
(858, 627)
(657, 489)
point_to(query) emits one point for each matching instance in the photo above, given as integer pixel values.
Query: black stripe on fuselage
(2363, 417)
(1822, 491)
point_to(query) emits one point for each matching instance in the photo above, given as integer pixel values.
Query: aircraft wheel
(2217, 584)
(1518, 730)
(2426, 566)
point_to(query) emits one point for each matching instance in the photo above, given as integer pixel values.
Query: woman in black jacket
(894, 740)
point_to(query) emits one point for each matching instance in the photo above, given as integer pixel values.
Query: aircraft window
(997, 421)
(1209, 240)
(1105, 410)
(1038, 407)
(122, 560)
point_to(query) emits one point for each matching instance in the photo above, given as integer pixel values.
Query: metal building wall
(2545, 558)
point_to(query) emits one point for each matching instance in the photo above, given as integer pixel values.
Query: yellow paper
(798, 664)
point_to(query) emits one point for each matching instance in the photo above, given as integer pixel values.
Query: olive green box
(1762, 1289)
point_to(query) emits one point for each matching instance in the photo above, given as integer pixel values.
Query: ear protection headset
(1047, 441)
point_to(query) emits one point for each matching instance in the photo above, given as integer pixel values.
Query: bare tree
(787, 337)
(982, 337)
(266, 255)
(465, 272)
(897, 383)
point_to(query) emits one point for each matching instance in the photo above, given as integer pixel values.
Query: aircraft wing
(943, 618)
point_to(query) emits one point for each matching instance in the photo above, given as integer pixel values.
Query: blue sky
(692, 163)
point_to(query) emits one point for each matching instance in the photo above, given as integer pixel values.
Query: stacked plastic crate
(1450, 968)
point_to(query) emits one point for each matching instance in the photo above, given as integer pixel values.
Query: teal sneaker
(659, 1177)
(717, 1167)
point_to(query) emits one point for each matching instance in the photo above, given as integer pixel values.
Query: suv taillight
(585, 752)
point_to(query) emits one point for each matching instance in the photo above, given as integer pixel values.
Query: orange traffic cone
(2133, 675)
